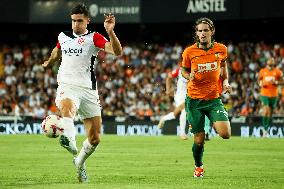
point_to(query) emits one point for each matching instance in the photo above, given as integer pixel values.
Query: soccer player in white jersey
(179, 98)
(77, 88)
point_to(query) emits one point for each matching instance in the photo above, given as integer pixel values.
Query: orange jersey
(268, 77)
(206, 66)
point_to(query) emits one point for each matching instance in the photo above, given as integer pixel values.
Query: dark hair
(80, 9)
(205, 20)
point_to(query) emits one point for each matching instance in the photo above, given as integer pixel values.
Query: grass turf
(34, 161)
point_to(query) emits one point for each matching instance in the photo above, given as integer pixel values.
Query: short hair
(205, 20)
(80, 9)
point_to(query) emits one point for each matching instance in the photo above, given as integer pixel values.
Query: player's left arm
(280, 80)
(226, 86)
(114, 46)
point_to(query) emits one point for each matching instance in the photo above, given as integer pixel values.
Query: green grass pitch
(35, 161)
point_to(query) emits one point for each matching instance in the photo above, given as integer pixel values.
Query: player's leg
(164, 118)
(207, 128)
(266, 117)
(272, 101)
(93, 130)
(266, 111)
(219, 116)
(171, 115)
(179, 106)
(90, 112)
(182, 124)
(196, 118)
(180, 109)
(197, 151)
(66, 102)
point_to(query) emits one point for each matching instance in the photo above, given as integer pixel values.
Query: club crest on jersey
(81, 41)
(207, 67)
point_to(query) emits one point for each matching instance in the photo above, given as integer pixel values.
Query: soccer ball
(51, 126)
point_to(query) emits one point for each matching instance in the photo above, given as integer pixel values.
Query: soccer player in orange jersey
(269, 77)
(202, 64)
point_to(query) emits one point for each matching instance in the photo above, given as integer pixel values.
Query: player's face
(271, 62)
(79, 23)
(203, 33)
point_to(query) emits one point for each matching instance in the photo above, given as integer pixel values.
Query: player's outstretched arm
(114, 46)
(54, 57)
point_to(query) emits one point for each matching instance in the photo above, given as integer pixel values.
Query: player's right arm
(260, 77)
(169, 84)
(186, 65)
(54, 57)
(114, 46)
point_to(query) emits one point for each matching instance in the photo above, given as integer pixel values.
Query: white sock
(69, 127)
(169, 116)
(85, 152)
(182, 122)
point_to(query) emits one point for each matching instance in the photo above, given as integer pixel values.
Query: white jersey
(181, 89)
(79, 58)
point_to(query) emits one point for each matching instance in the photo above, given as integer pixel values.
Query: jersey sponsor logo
(269, 78)
(207, 67)
(71, 51)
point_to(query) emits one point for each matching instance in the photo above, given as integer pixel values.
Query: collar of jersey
(206, 49)
(81, 34)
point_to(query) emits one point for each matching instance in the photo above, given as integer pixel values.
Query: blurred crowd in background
(132, 84)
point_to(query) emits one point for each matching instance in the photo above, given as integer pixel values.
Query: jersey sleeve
(58, 45)
(58, 40)
(224, 52)
(174, 73)
(99, 40)
(186, 63)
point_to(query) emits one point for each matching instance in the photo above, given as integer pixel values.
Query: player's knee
(199, 141)
(225, 135)
(67, 108)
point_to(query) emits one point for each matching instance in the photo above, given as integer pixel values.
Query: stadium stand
(130, 85)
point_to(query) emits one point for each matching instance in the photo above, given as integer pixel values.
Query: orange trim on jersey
(58, 45)
(174, 73)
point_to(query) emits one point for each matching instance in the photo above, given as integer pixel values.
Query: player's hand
(45, 64)
(274, 82)
(191, 76)
(227, 88)
(109, 22)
